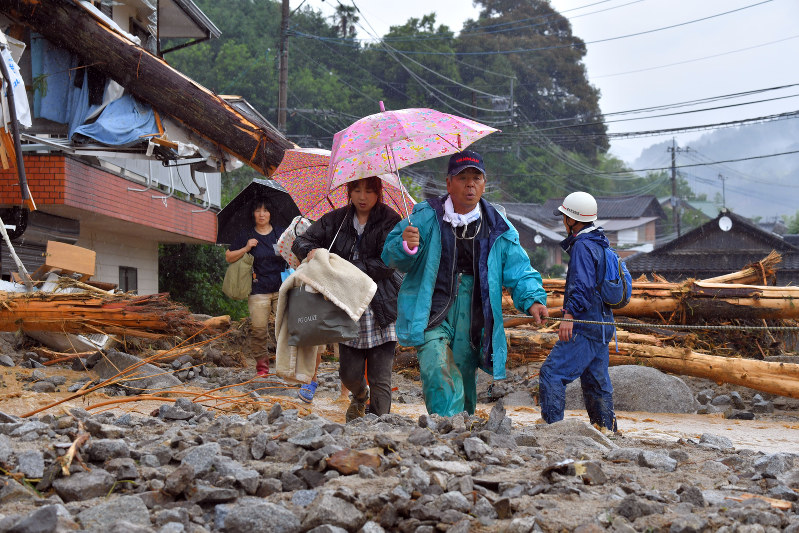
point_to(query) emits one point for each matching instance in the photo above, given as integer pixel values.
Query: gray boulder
(147, 376)
(256, 517)
(327, 509)
(103, 516)
(641, 388)
(84, 485)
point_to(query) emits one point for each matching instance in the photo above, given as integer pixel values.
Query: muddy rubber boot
(357, 408)
(262, 367)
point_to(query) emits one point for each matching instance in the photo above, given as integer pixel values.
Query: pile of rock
(190, 470)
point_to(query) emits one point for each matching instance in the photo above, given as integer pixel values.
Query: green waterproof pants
(448, 361)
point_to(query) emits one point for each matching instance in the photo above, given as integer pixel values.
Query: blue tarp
(124, 121)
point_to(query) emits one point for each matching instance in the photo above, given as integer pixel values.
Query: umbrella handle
(409, 251)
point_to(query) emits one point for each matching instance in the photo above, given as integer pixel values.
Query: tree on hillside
(535, 43)
(345, 20)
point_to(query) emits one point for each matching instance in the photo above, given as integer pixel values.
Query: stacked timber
(731, 300)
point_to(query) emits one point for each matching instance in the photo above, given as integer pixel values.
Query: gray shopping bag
(314, 320)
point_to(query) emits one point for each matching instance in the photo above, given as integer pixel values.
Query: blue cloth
(583, 358)
(56, 64)
(63, 102)
(124, 121)
(267, 265)
(506, 264)
(582, 299)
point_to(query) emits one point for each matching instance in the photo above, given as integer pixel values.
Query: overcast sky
(633, 72)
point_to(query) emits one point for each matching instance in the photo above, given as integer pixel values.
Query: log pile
(728, 356)
(150, 316)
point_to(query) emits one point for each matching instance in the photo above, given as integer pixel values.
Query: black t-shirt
(465, 244)
(268, 264)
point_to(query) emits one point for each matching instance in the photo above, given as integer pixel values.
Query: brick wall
(60, 180)
(45, 175)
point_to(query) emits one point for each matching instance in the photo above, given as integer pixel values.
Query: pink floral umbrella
(387, 141)
(303, 173)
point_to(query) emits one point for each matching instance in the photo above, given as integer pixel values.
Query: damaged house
(123, 152)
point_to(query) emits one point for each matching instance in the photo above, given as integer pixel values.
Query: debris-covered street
(250, 457)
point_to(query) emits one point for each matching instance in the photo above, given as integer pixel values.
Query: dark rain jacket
(381, 221)
(582, 299)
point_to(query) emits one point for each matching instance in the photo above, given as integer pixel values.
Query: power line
(583, 124)
(695, 59)
(684, 129)
(554, 47)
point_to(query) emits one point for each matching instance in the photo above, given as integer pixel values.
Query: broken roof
(150, 79)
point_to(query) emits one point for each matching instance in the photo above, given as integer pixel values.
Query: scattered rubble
(190, 467)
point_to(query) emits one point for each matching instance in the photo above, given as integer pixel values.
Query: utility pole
(723, 191)
(282, 91)
(675, 201)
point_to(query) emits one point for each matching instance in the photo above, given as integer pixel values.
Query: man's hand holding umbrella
(411, 236)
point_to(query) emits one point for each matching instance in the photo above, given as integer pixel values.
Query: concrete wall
(115, 250)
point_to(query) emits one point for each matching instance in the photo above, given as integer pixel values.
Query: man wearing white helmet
(582, 349)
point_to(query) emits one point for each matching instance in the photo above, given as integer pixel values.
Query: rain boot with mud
(357, 408)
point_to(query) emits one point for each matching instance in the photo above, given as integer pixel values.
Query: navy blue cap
(463, 160)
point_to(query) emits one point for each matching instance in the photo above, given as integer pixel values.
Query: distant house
(114, 163)
(709, 251)
(630, 222)
(535, 235)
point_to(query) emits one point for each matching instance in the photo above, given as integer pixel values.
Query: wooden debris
(149, 316)
(783, 505)
(692, 300)
(762, 272)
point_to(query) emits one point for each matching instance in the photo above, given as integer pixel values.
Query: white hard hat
(580, 206)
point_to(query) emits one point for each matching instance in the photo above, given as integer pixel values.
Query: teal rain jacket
(507, 266)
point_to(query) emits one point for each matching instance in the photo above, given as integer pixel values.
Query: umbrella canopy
(303, 173)
(237, 215)
(385, 142)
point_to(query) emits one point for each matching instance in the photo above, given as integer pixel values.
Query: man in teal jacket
(450, 302)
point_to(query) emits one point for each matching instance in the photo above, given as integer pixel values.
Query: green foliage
(192, 274)
(553, 140)
(556, 271)
(792, 224)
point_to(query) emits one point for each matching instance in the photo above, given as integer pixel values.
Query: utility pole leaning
(282, 91)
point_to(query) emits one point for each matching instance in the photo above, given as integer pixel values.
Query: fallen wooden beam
(688, 301)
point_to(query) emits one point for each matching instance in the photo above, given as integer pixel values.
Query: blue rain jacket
(506, 265)
(582, 300)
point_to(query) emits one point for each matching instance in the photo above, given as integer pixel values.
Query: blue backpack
(616, 285)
